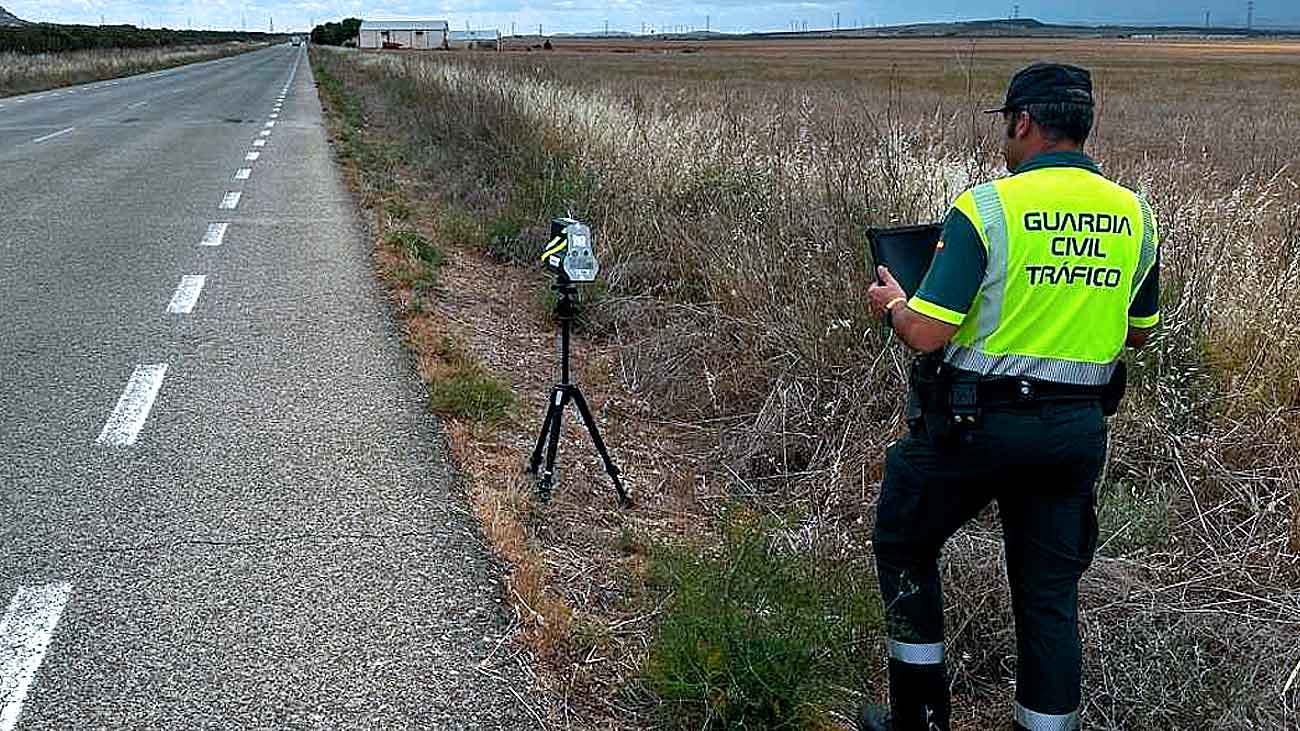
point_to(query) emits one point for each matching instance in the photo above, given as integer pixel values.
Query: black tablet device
(906, 250)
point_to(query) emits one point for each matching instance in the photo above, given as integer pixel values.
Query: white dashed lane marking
(269, 125)
(215, 235)
(243, 173)
(230, 201)
(252, 156)
(187, 294)
(259, 143)
(128, 417)
(265, 133)
(60, 133)
(25, 633)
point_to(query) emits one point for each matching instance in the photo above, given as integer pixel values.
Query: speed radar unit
(571, 252)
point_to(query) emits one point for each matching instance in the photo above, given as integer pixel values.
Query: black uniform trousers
(1040, 462)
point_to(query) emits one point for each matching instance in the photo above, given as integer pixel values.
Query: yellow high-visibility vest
(1067, 251)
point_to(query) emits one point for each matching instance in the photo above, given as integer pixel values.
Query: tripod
(561, 394)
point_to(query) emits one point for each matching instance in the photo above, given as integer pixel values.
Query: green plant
(470, 393)
(1129, 518)
(461, 226)
(755, 637)
(397, 209)
(417, 246)
(507, 242)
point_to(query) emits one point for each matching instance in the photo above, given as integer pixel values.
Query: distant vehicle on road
(297, 40)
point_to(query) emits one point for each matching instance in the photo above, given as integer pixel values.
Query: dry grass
(730, 190)
(26, 73)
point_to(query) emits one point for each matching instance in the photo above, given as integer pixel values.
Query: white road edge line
(231, 200)
(25, 633)
(60, 133)
(187, 294)
(128, 417)
(215, 235)
(243, 173)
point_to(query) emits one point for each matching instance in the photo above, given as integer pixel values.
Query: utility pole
(512, 29)
(837, 20)
(1207, 20)
(708, 23)
(1250, 14)
(607, 27)
(539, 30)
(270, 23)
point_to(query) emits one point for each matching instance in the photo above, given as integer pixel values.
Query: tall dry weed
(731, 214)
(21, 73)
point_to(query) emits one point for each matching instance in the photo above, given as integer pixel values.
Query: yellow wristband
(892, 303)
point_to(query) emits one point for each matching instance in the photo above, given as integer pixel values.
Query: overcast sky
(585, 15)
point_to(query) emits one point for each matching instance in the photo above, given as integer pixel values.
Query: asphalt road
(222, 502)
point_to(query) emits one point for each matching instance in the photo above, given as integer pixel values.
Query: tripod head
(566, 299)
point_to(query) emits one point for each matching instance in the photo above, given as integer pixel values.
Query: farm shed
(419, 34)
(474, 39)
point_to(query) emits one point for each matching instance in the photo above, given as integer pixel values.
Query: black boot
(918, 697)
(874, 717)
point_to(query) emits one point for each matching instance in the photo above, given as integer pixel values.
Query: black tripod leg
(535, 462)
(559, 401)
(600, 446)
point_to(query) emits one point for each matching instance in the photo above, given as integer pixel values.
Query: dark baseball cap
(1047, 83)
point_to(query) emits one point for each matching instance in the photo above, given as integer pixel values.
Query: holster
(943, 401)
(1113, 394)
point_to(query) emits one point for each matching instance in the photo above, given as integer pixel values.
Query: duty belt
(1002, 391)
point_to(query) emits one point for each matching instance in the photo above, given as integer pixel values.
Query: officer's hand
(882, 294)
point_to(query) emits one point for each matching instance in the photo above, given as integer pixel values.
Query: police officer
(1039, 282)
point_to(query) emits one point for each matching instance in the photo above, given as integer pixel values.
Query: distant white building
(419, 34)
(474, 39)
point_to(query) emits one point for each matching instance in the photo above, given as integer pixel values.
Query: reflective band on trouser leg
(928, 654)
(1035, 721)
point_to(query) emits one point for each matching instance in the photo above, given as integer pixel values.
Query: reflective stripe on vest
(1023, 366)
(1147, 257)
(1035, 721)
(1066, 252)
